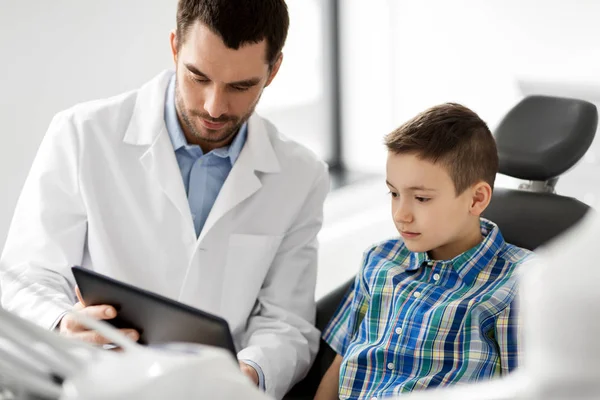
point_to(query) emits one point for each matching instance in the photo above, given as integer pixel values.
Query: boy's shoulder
(507, 256)
(389, 252)
(514, 254)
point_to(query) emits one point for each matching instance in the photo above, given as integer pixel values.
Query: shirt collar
(471, 262)
(178, 137)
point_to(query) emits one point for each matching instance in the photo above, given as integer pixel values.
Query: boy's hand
(329, 387)
(70, 327)
(250, 372)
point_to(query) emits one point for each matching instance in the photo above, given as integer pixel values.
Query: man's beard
(224, 136)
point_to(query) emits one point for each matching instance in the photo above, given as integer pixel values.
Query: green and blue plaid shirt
(409, 322)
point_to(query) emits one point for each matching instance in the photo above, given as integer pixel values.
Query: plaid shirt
(409, 322)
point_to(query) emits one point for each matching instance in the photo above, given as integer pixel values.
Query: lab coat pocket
(249, 258)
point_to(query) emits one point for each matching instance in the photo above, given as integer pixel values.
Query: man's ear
(173, 39)
(481, 195)
(274, 69)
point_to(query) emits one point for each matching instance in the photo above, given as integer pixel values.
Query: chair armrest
(326, 307)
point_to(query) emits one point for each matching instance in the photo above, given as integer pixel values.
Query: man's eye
(240, 88)
(394, 194)
(200, 80)
(422, 199)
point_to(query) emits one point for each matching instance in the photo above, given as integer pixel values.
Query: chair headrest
(542, 137)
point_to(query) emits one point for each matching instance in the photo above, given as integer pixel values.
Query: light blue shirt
(203, 174)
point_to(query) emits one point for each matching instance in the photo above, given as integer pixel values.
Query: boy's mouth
(409, 235)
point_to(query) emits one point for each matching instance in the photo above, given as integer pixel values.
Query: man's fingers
(79, 297)
(100, 312)
(90, 337)
(131, 333)
(96, 338)
(70, 324)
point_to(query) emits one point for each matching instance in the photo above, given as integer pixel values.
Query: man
(236, 236)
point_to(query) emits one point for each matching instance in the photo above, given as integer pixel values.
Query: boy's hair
(454, 136)
(238, 22)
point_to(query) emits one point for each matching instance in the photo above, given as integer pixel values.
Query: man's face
(428, 214)
(217, 87)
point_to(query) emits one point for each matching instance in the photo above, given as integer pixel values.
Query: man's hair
(238, 22)
(455, 137)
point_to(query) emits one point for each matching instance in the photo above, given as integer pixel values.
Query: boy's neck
(470, 239)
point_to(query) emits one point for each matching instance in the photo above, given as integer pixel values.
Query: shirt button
(398, 331)
(436, 277)
(430, 263)
(373, 398)
(417, 294)
(390, 366)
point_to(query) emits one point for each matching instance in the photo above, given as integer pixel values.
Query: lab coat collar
(148, 118)
(148, 123)
(259, 147)
(147, 128)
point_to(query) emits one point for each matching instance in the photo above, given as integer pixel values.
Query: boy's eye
(394, 194)
(422, 199)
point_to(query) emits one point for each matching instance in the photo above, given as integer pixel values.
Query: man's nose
(216, 102)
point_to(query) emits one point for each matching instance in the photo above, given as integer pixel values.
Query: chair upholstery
(538, 140)
(326, 307)
(530, 219)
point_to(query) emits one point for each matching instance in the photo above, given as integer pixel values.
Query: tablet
(158, 319)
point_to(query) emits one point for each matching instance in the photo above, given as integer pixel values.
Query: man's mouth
(213, 125)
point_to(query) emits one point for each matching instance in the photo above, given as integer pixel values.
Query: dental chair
(538, 140)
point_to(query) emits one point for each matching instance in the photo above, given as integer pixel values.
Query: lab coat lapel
(160, 163)
(257, 155)
(147, 128)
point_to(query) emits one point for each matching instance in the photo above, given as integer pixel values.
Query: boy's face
(428, 214)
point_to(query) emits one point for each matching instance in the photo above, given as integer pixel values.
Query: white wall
(58, 53)
(402, 56)
(355, 218)
(298, 101)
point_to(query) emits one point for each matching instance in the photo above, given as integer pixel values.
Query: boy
(436, 306)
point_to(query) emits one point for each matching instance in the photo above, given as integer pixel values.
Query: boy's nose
(403, 216)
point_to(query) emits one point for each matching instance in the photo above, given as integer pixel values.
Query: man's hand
(71, 328)
(250, 372)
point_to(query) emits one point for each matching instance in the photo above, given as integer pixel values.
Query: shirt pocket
(248, 260)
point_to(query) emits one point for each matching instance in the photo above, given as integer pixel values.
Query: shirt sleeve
(259, 372)
(344, 325)
(508, 335)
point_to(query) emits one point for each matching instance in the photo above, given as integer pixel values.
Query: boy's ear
(481, 197)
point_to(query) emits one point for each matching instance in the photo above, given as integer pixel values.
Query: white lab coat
(105, 192)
